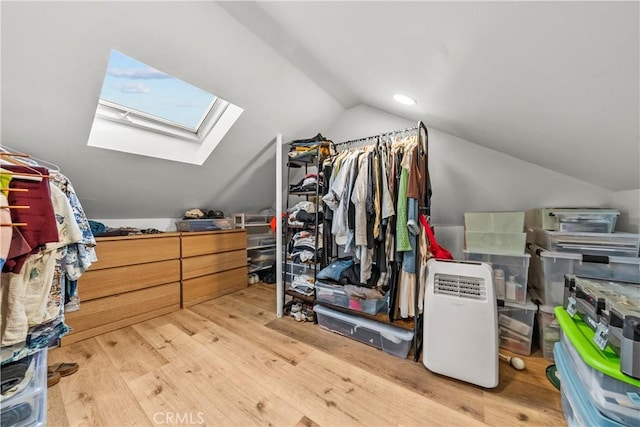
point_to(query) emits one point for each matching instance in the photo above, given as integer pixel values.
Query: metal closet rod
(409, 129)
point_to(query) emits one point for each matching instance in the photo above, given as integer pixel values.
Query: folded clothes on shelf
(308, 183)
(303, 284)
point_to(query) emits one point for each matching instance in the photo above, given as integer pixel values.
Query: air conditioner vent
(460, 286)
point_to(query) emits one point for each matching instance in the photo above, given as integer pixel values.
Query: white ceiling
(552, 83)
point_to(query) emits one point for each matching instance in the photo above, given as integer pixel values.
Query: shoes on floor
(302, 312)
(309, 316)
(72, 305)
(296, 308)
(53, 378)
(64, 369)
(59, 370)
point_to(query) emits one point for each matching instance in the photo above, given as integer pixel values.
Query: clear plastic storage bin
(258, 240)
(602, 244)
(389, 338)
(547, 270)
(243, 220)
(262, 259)
(511, 274)
(494, 222)
(336, 295)
(548, 331)
(209, 224)
(572, 219)
(515, 327)
(296, 268)
(292, 269)
(578, 410)
(495, 243)
(28, 406)
(614, 394)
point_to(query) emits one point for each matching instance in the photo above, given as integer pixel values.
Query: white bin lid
(544, 253)
(579, 211)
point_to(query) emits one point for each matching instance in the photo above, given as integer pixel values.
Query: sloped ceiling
(552, 83)
(54, 58)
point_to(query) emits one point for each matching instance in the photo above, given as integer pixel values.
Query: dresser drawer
(208, 264)
(213, 242)
(213, 285)
(108, 310)
(110, 281)
(120, 252)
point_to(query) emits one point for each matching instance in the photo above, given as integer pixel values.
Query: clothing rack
(378, 137)
(419, 128)
(385, 134)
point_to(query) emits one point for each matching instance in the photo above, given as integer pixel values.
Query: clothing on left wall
(54, 246)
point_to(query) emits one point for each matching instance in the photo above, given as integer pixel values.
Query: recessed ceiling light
(403, 99)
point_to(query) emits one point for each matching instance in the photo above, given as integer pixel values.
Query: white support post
(279, 284)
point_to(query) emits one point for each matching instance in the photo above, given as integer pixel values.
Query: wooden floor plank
(409, 408)
(281, 346)
(168, 393)
(353, 397)
(131, 355)
(300, 387)
(251, 404)
(56, 412)
(243, 309)
(414, 376)
(260, 295)
(230, 361)
(96, 394)
(186, 376)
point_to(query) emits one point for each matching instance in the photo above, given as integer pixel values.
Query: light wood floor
(231, 362)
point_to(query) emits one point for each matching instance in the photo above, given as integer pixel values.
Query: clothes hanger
(51, 166)
(14, 156)
(36, 176)
(15, 159)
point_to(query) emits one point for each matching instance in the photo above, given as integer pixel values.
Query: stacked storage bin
(612, 310)
(594, 389)
(574, 241)
(25, 403)
(498, 239)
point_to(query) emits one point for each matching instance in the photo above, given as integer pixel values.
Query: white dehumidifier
(460, 322)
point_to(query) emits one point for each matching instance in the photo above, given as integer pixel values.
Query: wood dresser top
(169, 234)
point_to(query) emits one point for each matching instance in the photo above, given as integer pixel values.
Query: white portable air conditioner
(460, 322)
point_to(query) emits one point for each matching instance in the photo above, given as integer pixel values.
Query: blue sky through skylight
(137, 86)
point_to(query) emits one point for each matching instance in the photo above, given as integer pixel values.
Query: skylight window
(146, 111)
(137, 88)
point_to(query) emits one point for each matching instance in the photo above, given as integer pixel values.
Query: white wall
(362, 121)
(467, 177)
(628, 203)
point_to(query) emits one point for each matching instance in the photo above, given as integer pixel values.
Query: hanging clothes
(51, 243)
(374, 199)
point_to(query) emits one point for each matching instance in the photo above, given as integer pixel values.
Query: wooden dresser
(135, 278)
(213, 264)
(140, 277)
